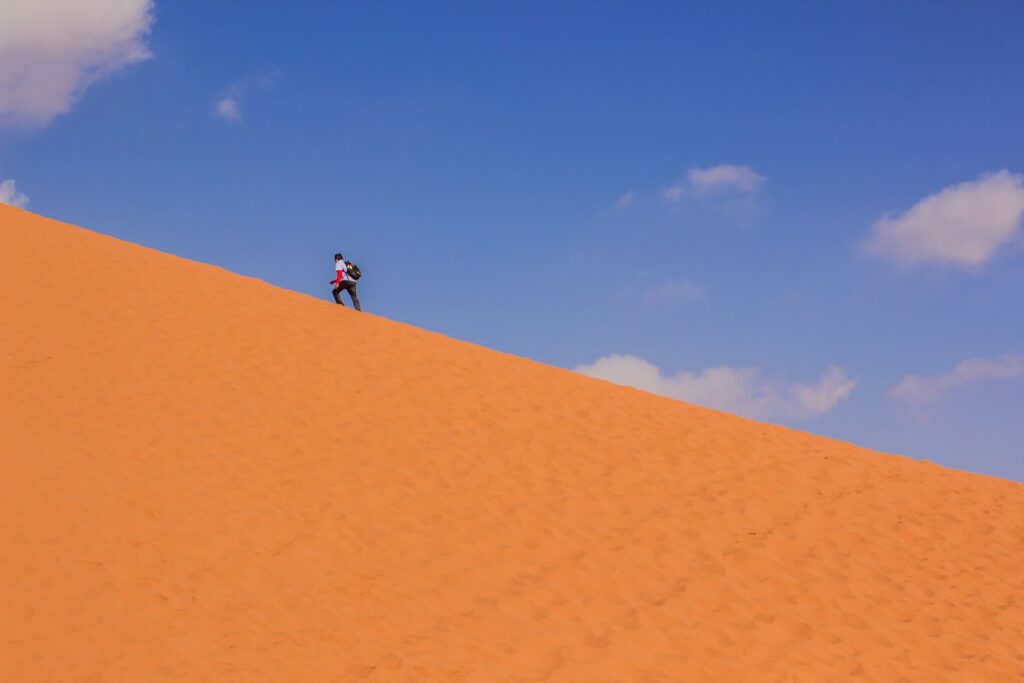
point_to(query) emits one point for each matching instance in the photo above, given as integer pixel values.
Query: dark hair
(338, 257)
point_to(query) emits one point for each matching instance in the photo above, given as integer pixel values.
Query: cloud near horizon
(9, 195)
(51, 51)
(743, 391)
(962, 225)
(918, 391)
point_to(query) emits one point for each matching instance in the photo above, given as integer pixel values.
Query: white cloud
(918, 391)
(675, 292)
(673, 193)
(227, 108)
(51, 51)
(700, 181)
(229, 105)
(9, 195)
(817, 399)
(737, 390)
(626, 199)
(725, 177)
(963, 225)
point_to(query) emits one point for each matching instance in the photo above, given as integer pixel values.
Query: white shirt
(339, 266)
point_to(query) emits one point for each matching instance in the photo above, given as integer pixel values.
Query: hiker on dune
(346, 275)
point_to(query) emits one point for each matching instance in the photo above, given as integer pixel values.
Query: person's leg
(337, 294)
(355, 297)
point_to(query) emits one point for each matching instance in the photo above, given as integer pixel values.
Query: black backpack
(353, 270)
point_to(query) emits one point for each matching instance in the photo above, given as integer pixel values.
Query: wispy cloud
(229, 105)
(626, 199)
(725, 177)
(918, 391)
(227, 108)
(744, 391)
(963, 225)
(51, 51)
(9, 195)
(673, 193)
(715, 179)
(675, 292)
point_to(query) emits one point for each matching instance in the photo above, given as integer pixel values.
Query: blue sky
(808, 213)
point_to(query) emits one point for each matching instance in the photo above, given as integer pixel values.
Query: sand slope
(211, 479)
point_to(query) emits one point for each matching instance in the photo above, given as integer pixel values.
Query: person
(342, 281)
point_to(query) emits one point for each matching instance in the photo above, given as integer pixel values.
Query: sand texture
(207, 478)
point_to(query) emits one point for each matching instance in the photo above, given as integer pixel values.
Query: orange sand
(207, 478)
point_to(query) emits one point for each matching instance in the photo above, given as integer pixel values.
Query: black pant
(349, 286)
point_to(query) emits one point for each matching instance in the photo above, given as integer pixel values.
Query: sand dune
(211, 479)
